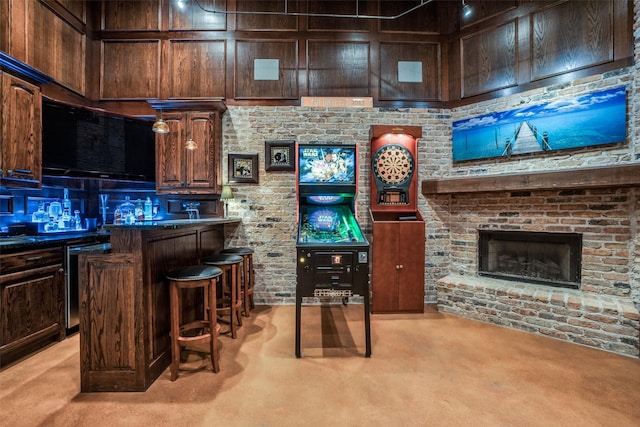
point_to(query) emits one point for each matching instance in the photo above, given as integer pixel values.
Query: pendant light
(190, 144)
(160, 126)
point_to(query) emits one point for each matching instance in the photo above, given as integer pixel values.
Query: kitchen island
(124, 305)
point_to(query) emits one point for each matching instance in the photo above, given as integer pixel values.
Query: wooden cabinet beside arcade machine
(398, 246)
(397, 255)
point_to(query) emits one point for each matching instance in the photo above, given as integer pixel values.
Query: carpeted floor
(428, 369)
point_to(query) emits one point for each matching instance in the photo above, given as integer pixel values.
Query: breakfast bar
(124, 299)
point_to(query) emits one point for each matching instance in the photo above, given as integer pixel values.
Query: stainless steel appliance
(72, 302)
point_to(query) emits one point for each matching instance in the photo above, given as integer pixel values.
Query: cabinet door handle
(34, 258)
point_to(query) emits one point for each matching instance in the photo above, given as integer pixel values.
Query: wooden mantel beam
(625, 175)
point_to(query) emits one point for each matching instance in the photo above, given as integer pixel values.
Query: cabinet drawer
(27, 260)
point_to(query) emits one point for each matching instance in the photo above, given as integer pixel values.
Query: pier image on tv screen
(326, 164)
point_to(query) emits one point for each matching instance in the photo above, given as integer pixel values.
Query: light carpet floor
(430, 369)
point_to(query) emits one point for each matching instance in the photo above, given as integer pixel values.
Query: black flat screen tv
(82, 142)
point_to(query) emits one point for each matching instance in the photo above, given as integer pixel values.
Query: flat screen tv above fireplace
(553, 259)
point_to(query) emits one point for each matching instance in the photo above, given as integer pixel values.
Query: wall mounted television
(327, 168)
(82, 142)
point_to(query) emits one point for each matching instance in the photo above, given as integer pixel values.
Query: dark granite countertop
(25, 242)
(173, 224)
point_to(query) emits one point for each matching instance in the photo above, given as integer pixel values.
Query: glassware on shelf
(103, 207)
(55, 209)
(128, 211)
(76, 219)
(40, 215)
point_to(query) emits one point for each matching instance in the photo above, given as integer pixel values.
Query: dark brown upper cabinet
(21, 130)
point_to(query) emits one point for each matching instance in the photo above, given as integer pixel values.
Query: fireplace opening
(546, 258)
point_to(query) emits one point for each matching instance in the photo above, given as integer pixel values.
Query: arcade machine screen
(322, 168)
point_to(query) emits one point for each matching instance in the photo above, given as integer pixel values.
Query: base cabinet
(31, 302)
(124, 306)
(397, 259)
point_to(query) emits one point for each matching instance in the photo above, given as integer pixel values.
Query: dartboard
(393, 164)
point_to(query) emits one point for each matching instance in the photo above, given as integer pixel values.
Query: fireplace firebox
(552, 259)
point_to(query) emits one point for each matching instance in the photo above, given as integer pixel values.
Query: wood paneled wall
(122, 50)
(50, 37)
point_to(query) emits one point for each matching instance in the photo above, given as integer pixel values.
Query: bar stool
(230, 300)
(191, 277)
(247, 275)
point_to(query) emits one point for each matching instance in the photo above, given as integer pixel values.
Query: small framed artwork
(243, 168)
(279, 155)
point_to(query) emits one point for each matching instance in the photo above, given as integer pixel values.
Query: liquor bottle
(77, 220)
(148, 209)
(139, 212)
(65, 221)
(66, 203)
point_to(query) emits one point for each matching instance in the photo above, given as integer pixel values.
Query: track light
(466, 10)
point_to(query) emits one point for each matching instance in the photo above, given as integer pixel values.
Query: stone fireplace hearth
(596, 308)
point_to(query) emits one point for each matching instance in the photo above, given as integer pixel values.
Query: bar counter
(124, 299)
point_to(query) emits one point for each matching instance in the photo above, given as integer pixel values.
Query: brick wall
(608, 218)
(268, 209)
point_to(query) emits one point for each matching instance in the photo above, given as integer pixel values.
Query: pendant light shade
(160, 126)
(190, 144)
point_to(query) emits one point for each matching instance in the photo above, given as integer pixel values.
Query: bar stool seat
(192, 277)
(247, 276)
(229, 300)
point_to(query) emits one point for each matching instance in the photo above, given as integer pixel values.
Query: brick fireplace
(597, 311)
(552, 259)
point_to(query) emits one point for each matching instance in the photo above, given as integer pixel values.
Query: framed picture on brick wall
(279, 155)
(243, 168)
